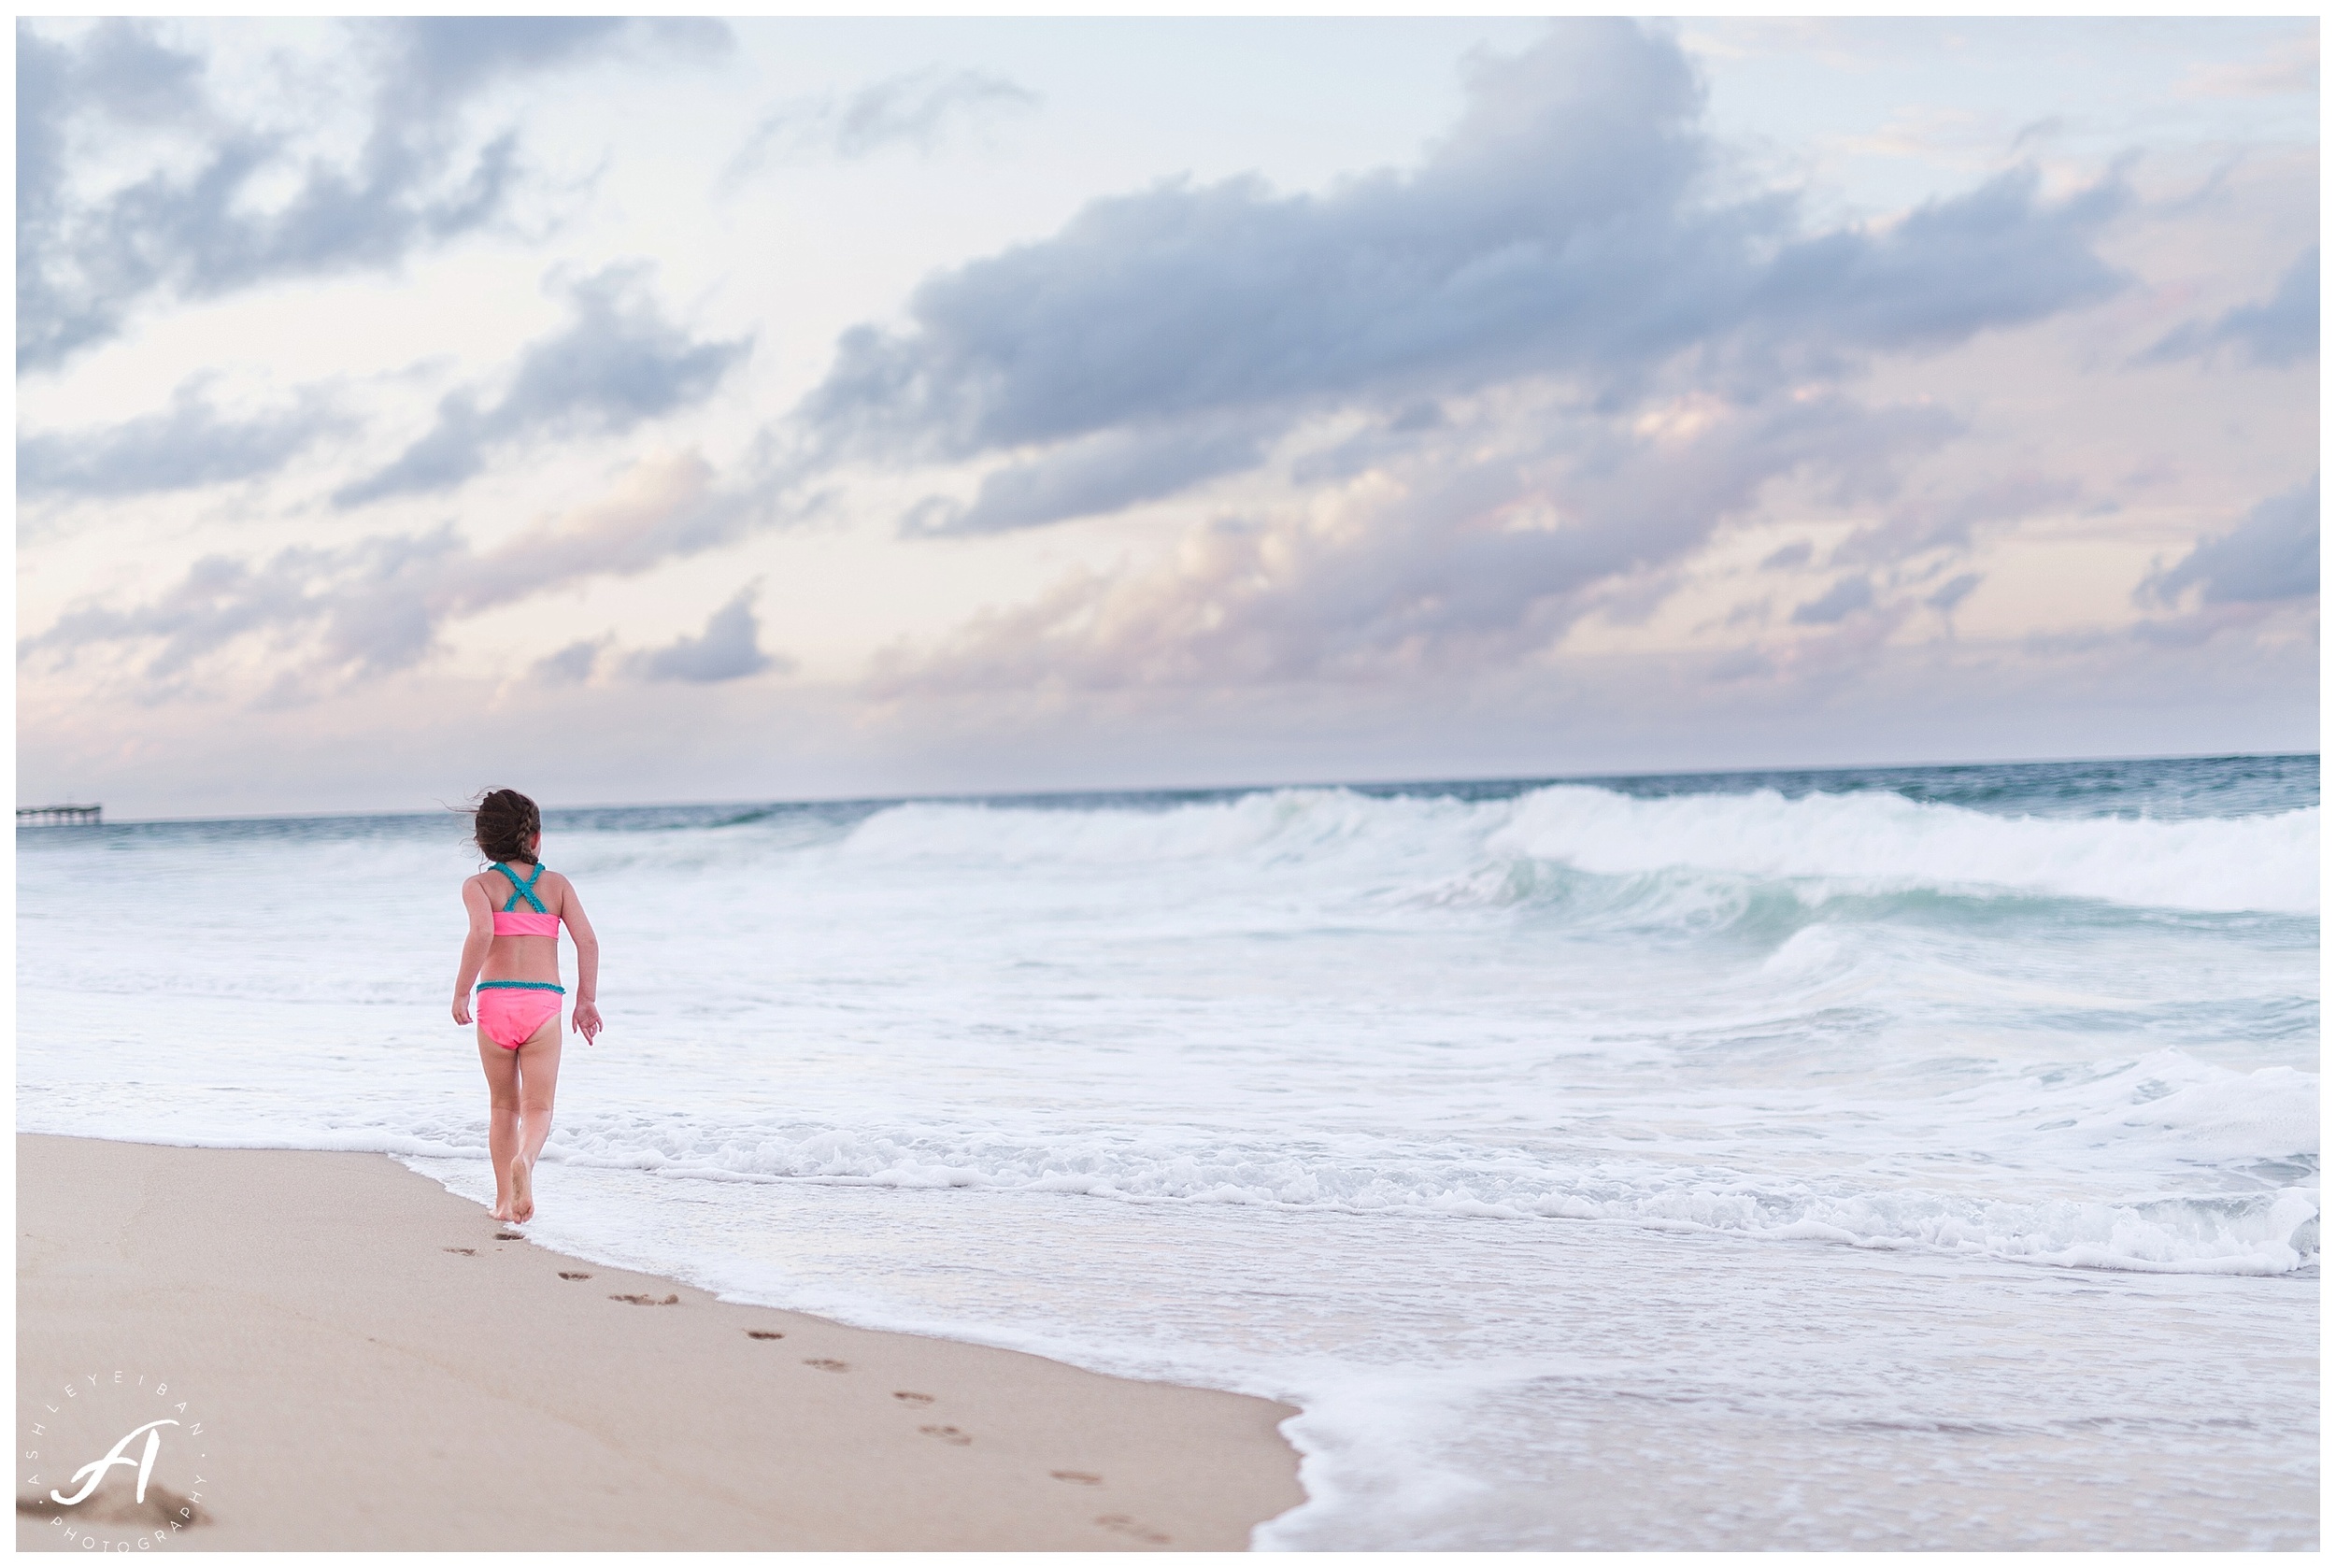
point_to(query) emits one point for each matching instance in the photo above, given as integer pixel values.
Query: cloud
(195, 225)
(1517, 386)
(2280, 330)
(369, 600)
(1105, 472)
(1791, 555)
(919, 110)
(616, 363)
(1846, 598)
(187, 446)
(725, 650)
(2273, 553)
(1449, 561)
(119, 73)
(2288, 66)
(1570, 227)
(1947, 522)
(570, 666)
(376, 606)
(1953, 591)
(429, 62)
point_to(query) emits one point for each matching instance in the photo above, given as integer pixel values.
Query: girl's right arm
(475, 946)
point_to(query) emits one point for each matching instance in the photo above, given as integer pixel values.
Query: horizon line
(1250, 787)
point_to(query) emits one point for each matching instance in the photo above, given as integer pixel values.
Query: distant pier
(48, 816)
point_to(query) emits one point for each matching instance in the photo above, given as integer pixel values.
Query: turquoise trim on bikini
(521, 985)
(523, 890)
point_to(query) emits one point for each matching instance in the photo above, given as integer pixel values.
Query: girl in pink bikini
(513, 954)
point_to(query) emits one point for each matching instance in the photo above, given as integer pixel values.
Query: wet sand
(356, 1359)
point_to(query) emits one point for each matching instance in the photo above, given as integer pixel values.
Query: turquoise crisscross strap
(523, 890)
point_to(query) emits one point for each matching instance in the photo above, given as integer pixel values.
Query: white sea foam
(1879, 840)
(2260, 1115)
(2264, 1232)
(2267, 862)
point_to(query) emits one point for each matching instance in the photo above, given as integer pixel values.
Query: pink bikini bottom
(510, 1014)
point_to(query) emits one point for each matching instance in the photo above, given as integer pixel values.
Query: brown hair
(503, 822)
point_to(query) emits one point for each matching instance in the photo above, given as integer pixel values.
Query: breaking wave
(1826, 844)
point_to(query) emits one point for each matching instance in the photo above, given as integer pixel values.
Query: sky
(670, 410)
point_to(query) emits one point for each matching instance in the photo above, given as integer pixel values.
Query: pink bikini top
(522, 923)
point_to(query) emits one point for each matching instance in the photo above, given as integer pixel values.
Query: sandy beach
(357, 1359)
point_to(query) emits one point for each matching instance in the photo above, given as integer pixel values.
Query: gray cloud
(1569, 226)
(726, 651)
(1105, 472)
(1391, 440)
(428, 62)
(85, 262)
(570, 666)
(368, 602)
(2280, 330)
(1846, 598)
(1791, 555)
(1997, 257)
(376, 606)
(1471, 559)
(617, 363)
(1947, 522)
(119, 73)
(187, 445)
(1953, 591)
(2273, 553)
(918, 109)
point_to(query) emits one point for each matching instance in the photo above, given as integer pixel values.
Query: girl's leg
(539, 1079)
(502, 1068)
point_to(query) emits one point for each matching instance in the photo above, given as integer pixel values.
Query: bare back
(518, 957)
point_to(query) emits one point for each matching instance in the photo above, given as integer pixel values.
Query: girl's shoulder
(568, 903)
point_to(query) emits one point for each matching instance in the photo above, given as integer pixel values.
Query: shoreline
(382, 1366)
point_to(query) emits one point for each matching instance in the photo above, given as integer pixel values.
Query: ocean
(1891, 1157)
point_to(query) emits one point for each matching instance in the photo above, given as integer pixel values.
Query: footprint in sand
(1078, 1478)
(510, 1235)
(826, 1365)
(913, 1399)
(947, 1434)
(648, 1301)
(765, 1333)
(466, 1251)
(565, 1275)
(1127, 1526)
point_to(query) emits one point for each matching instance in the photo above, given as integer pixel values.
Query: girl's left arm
(586, 1015)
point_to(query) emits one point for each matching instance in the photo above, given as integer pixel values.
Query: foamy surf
(1873, 840)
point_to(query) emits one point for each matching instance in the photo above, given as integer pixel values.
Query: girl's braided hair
(504, 824)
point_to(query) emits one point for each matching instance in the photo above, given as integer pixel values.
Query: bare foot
(501, 1211)
(522, 1191)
